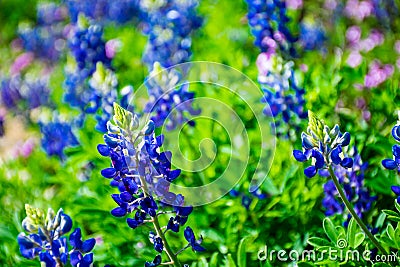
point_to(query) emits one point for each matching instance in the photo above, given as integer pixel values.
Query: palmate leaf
(330, 230)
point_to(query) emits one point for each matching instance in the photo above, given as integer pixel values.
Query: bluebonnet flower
(248, 199)
(22, 93)
(10, 94)
(36, 92)
(269, 25)
(169, 25)
(2, 120)
(156, 262)
(46, 239)
(142, 174)
(80, 248)
(56, 136)
(312, 36)
(90, 83)
(46, 40)
(323, 145)
(103, 84)
(88, 48)
(386, 12)
(394, 163)
(170, 99)
(195, 244)
(120, 11)
(352, 181)
(284, 97)
(396, 190)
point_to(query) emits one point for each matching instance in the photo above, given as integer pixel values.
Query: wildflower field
(201, 133)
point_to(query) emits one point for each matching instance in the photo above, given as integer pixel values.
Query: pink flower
(303, 67)
(354, 59)
(353, 34)
(374, 39)
(270, 43)
(294, 4)
(24, 149)
(264, 64)
(112, 47)
(21, 62)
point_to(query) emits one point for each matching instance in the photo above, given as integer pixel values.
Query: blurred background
(63, 63)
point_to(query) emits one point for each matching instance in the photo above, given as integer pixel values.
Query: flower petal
(310, 171)
(389, 164)
(299, 155)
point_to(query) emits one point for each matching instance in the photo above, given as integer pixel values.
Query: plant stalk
(352, 211)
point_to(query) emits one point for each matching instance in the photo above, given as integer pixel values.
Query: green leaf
(318, 242)
(214, 260)
(359, 239)
(330, 230)
(397, 205)
(351, 232)
(390, 231)
(229, 261)
(395, 219)
(391, 213)
(241, 254)
(381, 264)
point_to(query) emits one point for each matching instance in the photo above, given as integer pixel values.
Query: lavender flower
(46, 239)
(377, 74)
(323, 145)
(142, 174)
(169, 26)
(169, 98)
(358, 10)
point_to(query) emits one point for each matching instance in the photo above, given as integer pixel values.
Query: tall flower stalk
(324, 146)
(143, 174)
(47, 240)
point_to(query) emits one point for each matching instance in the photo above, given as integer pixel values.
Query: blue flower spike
(46, 239)
(143, 173)
(323, 145)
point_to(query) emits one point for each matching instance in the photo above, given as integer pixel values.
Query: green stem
(352, 211)
(156, 224)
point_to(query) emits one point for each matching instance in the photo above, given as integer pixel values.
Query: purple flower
(377, 74)
(195, 244)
